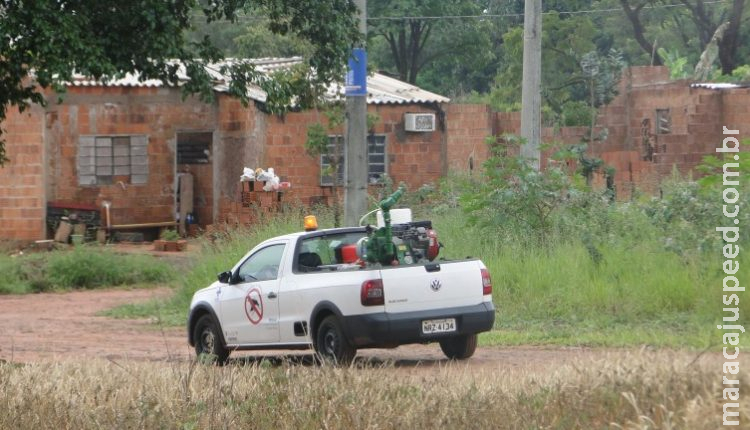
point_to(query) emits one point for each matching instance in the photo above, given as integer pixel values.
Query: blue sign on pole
(356, 76)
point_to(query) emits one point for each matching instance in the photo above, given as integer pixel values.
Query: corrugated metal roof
(381, 89)
(129, 80)
(716, 85)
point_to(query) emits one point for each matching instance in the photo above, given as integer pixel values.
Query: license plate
(439, 326)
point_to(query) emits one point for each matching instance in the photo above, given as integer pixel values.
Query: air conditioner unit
(419, 122)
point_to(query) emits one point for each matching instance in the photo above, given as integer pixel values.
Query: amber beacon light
(311, 223)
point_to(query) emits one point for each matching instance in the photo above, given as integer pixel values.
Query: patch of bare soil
(57, 326)
(65, 326)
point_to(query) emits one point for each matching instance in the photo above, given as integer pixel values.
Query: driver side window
(263, 265)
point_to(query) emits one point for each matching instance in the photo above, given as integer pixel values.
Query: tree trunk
(703, 22)
(730, 42)
(403, 69)
(414, 50)
(406, 48)
(638, 30)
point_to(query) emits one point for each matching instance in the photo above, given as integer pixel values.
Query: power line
(520, 15)
(246, 18)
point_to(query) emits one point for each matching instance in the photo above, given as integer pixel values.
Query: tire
(331, 344)
(209, 346)
(460, 347)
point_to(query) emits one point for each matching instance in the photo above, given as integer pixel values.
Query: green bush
(82, 267)
(576, 113)
(514, 199)
(169, 234)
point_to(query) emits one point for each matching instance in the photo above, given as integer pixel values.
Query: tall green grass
(628, 278)
(628, 286)
(82, 267)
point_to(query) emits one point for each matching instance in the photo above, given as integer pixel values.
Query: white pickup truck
(294, 292)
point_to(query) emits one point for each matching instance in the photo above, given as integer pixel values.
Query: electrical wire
(245, 18)
(520, 15)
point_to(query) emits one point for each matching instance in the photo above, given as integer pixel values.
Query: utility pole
(531, 89)
(355, 152)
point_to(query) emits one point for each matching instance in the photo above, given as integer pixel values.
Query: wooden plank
(143, 225)
(185, 198)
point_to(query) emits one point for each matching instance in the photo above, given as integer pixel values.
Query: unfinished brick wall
(241, 142)
(414, 158)
(469, 125)
(642, 154)
(158, 113)
(510, 123)
(735, 112)
(22, 195)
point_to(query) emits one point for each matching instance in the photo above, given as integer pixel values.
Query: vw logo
(435, 285)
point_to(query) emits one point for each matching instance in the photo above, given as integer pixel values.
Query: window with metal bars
(102, 158)
(335, 159)
(663, 121)
(194, 147)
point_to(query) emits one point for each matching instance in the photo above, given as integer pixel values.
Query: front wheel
(460, 347)
(331, 344)
(208, 344)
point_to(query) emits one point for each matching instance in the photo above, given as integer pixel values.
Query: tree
(632, 9)
(705, 19)
(259, 41)
(707, 22)
(565, 40)
(414, 40)
(248, 37)
(45, 42)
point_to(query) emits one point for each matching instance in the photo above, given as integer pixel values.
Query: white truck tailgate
(432, 286)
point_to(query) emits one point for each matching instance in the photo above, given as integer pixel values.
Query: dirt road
(64, 326)
(56, 326)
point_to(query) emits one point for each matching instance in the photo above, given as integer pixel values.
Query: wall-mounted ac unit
(419, 122)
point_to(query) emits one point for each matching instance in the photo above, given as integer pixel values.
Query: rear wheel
(208, 344)
(460, 347)
(331, 344)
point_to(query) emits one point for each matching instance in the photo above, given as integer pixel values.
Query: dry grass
(645, 390)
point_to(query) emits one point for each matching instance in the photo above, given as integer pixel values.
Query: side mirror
(224, 277)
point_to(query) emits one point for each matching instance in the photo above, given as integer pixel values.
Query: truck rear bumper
(386, 330)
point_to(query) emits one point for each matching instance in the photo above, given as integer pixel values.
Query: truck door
(250, 305)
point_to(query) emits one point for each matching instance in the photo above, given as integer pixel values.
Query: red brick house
(124, 142)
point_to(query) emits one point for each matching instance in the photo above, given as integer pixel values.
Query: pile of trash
(272, 182)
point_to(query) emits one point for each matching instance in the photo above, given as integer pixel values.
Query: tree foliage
(413, 39)
(695, 23)
(515, 196)
(565, 41)
(45, 42)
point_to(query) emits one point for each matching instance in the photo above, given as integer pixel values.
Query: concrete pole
(355, 174)
(531, 96)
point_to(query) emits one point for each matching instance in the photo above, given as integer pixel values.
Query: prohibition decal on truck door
(254, 306)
